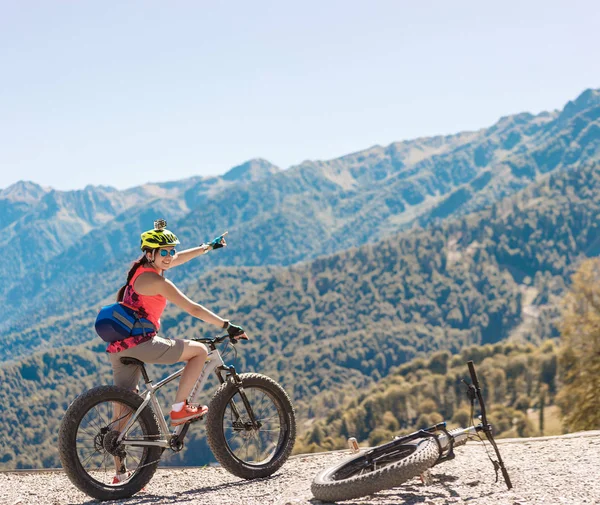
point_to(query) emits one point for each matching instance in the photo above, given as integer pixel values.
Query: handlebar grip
(474, 379)
(506, 477)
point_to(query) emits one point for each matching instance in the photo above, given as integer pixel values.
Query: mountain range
(340, 270)
(281, 217)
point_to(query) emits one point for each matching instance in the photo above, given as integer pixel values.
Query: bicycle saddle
(132, 361)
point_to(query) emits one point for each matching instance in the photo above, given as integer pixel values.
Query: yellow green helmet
(159, 236)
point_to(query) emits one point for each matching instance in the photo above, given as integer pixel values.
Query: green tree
(316, 436)
(462, 417)
(542, 405)
(580, 351)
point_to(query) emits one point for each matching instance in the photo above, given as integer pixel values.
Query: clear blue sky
(122, 93)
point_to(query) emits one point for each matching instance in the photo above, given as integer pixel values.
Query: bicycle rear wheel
(357, 476)
(246, 449)
(87, 443)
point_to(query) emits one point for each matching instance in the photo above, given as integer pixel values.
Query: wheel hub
(246, 426)
(176, 444)
(99, 442)
(111, 444)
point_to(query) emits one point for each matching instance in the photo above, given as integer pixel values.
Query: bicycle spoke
(235, 435)
(134, 458)
(88, 433)
(264, 404)
(260, 447)
(274, 417)
(254, 445)
(104, 461)
(100, 421)
(83, 463)
(93, 422)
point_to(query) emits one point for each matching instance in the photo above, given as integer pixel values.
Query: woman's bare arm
(184, 256)
(151, 284)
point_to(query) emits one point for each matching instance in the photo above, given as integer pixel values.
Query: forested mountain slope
(421, 393)
(282, 217)
(345, 320)
(462, 282)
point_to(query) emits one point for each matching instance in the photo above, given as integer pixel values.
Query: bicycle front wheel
(358, 476)
(88, 447)
(251, 427)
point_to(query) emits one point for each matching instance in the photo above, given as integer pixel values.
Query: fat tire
(68, 451)
(326, 488)
(216, 437)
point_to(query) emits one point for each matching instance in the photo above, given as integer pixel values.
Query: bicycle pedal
(188, 422)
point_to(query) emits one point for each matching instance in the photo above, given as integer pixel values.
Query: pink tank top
(150, 307)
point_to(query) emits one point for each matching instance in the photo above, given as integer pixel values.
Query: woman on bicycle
(147, 291)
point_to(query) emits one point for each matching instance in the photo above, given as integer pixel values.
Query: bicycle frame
(445, 439)
(214, 363)
(458, 435)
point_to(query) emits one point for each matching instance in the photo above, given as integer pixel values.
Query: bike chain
(149, 437)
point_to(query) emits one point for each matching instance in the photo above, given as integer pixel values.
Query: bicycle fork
(253, 423)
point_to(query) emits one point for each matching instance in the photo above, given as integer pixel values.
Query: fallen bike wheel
(245, 448)
(361, 476)
(88, 446)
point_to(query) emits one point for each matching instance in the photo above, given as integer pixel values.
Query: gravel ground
(548, 470)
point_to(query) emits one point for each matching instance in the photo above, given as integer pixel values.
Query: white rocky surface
(549, 470)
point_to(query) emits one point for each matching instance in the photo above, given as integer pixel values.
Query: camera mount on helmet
(160, 224)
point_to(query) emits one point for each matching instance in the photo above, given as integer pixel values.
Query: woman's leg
(195, 354)
(126, 376)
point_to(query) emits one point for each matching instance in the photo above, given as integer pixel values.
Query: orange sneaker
(121, 477)
(187, 413)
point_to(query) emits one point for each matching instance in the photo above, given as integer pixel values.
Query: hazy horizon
(125, 94)
(292, 166)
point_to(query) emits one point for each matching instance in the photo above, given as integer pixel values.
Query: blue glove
(218, 242)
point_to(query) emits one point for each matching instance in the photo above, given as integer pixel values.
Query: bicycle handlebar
(217, 340)
(473, 374)
(475, 382)
(487, 428)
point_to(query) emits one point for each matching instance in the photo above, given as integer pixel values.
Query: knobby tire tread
(68, 452)
(214, 426)
(326, 489)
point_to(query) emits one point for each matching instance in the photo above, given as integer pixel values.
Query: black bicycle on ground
(391, 464)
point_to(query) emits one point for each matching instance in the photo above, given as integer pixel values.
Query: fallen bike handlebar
(487, 428)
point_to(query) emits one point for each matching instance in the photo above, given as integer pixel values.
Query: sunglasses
(164, 253)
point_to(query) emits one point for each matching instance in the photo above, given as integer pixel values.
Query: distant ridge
(23, 191)
(589, 98)
(251, 170)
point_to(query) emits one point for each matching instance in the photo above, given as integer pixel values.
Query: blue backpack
(117, 322)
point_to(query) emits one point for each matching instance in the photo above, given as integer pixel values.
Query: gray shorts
(160, 350)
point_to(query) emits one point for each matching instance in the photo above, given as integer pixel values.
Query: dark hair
(142, 261)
